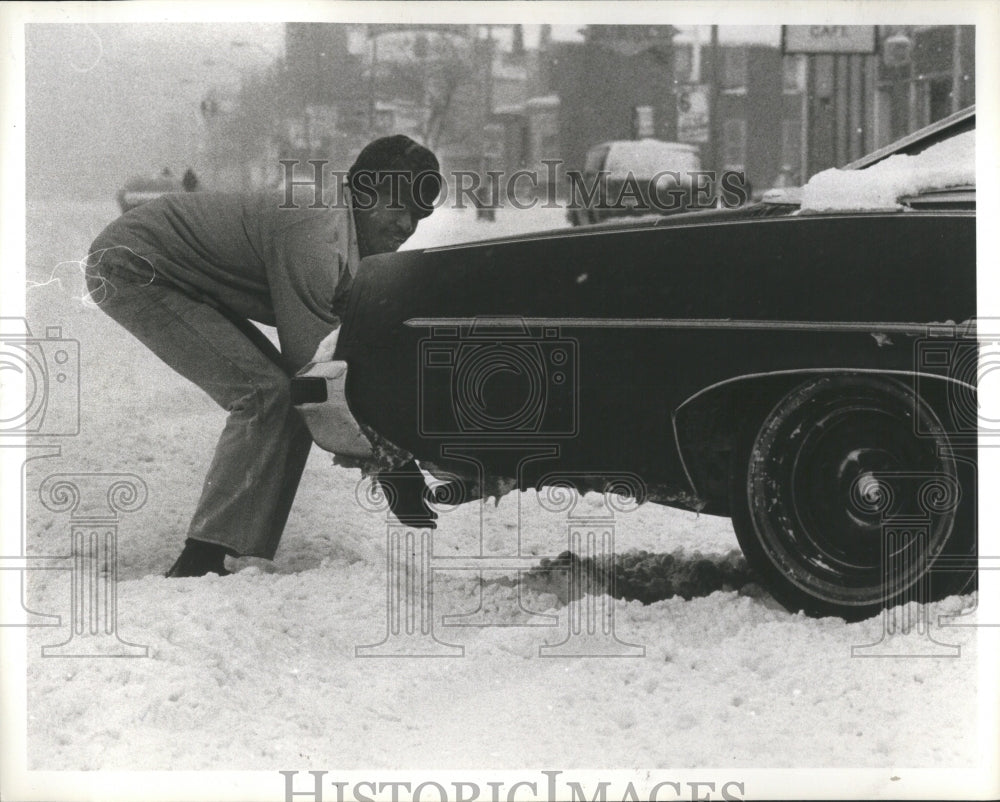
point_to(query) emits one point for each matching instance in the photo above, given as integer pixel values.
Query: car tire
(845, 475)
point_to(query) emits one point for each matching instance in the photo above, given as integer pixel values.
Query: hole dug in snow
(639, 575)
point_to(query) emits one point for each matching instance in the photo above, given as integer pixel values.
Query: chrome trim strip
(667, 222)
(863, 327)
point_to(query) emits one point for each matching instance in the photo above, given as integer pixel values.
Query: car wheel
(845, 476)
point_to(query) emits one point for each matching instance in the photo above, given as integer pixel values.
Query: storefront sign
(692, 114)
(828, 39)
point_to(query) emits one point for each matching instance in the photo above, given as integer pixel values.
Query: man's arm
(307, 265)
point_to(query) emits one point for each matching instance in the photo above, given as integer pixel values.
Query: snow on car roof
(950, 163)
(647, 157)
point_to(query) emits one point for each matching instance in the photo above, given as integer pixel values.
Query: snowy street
(259, 670)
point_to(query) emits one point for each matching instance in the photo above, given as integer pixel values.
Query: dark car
(812, 375)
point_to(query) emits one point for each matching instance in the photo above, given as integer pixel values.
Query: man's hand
(408, 494)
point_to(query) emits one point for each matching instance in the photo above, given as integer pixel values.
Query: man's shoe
(198, 559)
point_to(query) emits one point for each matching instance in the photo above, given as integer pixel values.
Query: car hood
(749, 211)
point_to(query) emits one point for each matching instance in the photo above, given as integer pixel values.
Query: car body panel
(812, 375)
(654, 316)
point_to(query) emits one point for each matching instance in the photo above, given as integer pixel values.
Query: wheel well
(710, 425)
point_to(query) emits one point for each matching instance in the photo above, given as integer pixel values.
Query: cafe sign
(828, 39)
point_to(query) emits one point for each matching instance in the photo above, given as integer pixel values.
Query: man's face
(382, 229)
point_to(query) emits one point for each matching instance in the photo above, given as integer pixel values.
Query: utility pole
(956, 70)
(488, 98)
(487, 213)
(713, 104)
(371, 83)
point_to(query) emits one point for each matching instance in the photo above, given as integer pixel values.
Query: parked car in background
(139, 189)
(805, 365)
(635, 177)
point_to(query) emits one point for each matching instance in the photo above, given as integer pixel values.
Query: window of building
(793, 74)
(734, 144)
(385, 120)
(939, 98)
(883, 122)
(642, 122)
(791, 150)
(734, 68)
(683, 63)
(933, 48)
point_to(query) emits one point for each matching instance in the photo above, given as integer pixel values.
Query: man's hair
(382, 159)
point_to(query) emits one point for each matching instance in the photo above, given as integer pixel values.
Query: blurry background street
(107, 102)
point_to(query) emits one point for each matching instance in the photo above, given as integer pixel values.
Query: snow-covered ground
(259, 670)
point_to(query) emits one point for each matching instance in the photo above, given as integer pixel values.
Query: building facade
(484, 101)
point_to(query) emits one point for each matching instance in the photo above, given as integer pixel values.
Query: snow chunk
(946, 164)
